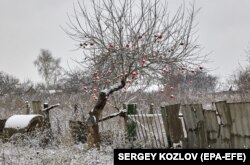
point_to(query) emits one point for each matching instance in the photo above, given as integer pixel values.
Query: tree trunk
(94, 115)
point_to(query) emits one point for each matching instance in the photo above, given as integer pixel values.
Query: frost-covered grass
(55, 155)
(62, 150)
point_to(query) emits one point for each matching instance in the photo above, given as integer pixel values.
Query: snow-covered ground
(11, 154)
(62, 150)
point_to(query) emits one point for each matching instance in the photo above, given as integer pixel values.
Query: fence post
(47, 125)
(124, 106)
(151, 111)
(27, 107)
(151, 108)
(46, 113)
(36, 106)
(131, 125)
(165, 121)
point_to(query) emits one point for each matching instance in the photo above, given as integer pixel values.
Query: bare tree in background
(240, 79)
(72, 81)
(48, 67)
(8, 83)
(130, 42)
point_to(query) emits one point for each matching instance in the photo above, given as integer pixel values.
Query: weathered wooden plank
(174, 124)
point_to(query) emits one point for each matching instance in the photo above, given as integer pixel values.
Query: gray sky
(26, 26)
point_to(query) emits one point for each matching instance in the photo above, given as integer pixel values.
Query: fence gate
(148, 129)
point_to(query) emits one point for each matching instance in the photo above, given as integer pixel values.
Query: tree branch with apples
(126, 43)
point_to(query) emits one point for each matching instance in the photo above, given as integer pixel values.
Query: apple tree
(130, 42)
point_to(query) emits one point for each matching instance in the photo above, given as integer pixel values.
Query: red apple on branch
(134, 74)
(160, 36)
(97, 78)
(143, 61)
(165, 70)
(85, 88)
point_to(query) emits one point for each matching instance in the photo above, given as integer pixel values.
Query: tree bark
(94, 115)
(121, 113)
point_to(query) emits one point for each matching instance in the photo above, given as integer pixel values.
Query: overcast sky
(26, 26)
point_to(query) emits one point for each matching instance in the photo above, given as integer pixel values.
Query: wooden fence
(227, 125)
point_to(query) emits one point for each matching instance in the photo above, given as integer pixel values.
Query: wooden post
(47, 126)
(36, 106)
(46, 113)
(124, 106)
(27, 107)
(174, 125)
(75, 112)
(131, 125)
(46, 117)
(165, 121)
(151, 108)
(151, 111)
